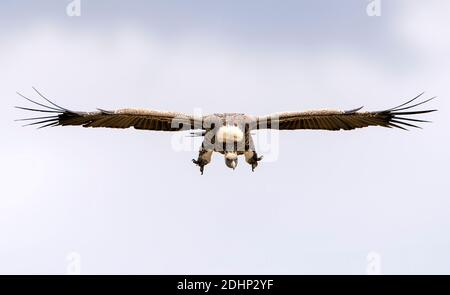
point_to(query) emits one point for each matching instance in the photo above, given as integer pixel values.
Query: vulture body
(228, 133)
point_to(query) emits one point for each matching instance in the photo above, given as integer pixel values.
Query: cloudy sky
(127, 202)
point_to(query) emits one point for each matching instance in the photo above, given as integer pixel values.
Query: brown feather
(343, 120)
(173, 121)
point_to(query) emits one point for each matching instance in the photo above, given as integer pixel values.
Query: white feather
(229, 134)
(231, 155)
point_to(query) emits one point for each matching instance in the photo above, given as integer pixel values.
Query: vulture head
(231, 160)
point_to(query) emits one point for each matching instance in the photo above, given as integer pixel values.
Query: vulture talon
(201, 163)
(254, 161)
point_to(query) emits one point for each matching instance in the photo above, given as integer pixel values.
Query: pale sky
(126, 202)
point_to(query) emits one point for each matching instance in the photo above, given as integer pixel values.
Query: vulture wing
(398, 117)
(123, 118)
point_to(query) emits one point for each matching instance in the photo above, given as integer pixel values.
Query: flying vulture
(226, 133)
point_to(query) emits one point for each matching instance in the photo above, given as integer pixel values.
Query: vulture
(226, 133)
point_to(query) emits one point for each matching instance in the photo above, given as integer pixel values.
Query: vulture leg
(204, 158)
(252, 158)
(250, 154)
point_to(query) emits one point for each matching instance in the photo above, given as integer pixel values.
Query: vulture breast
(229, 134)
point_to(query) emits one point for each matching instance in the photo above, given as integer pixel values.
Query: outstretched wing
(398, 117)
(124, 118)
